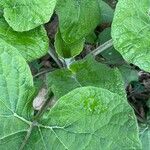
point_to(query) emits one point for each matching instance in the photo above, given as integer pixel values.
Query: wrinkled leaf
(24, 15)
(85, 73)
(93, 118)
(84, 123)
(32, 44)
(131, 31)
(77, 18)
(67, 50)
(15, 79)
(15, 90)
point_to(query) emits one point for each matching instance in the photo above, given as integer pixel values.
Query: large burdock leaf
(92, 118)
(86, 118)
(32, 44)
(131, 31)
(24, 15)
(77, 18)
(85, 73)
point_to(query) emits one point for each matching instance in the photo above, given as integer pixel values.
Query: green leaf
(15, 79)
(110, 55)
(16, 87)
(85, 124)
(104, 36)
(24, 15)
(85, 73)
(80, 115)
(91, 38)
(77, 18)
(67, 50)
(131, 31)
(93, 118)
(145, 136)
(107, 12)
(32, 44)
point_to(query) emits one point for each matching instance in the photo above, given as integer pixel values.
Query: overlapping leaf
(32, 44)
(24, 15)
(15, 90)
(93, 118)
(85, 73)
(66, 50)
(77, 18)
(131, 31)
(79, 115)
(75, 24)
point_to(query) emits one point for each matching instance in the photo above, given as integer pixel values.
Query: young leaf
(24, 15)
(131, 31)
(85, 73)
(32, 44)
(77, 18)
(67, 50)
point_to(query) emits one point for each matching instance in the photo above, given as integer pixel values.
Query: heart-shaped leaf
(92, 118)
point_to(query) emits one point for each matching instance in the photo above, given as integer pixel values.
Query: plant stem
(41, 73)
(102, 48)
(69, 61)
(27, 136)
(55, 58)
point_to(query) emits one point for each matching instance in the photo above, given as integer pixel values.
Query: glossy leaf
(77, 18)
(131, 31)
(32, 44)
(24, 15)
